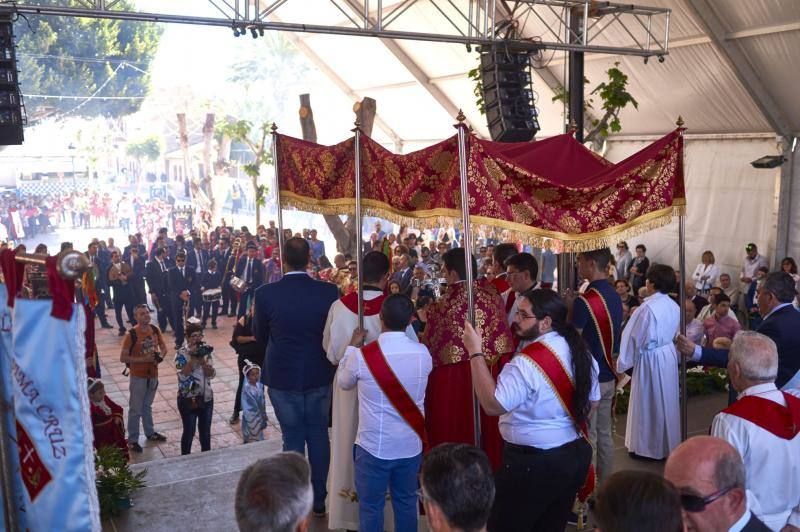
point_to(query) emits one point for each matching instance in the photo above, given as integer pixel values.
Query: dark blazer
(139, 269)
(222, 260)
(783, 326)
(101, 269)
(191, 260)
(755, 525)
(126, 252)
(289, 318)
(404, 279)
(211, 280)
(258, 271)
(156, 280)
(177, 283)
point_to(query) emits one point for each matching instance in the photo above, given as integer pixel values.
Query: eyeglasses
(523, 316)
(697, 503)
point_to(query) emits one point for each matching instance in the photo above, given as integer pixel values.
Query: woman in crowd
(790, 266)
(638, 268)
(195, 396)
(623, 288)
(706, 274)
(394, 287)
(623, 259)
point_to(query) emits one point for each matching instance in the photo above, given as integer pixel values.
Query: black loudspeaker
(508, 95)
(12, 110)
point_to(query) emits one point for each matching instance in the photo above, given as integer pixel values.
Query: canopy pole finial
(461, 117)
(357, 123)
(274, 128)
(679, 122)
(573, 127)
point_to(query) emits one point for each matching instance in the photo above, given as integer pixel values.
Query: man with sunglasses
(710, 476)
(764, 426)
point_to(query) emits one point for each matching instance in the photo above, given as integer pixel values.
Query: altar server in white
(342, 322)
(764, 426)
(653, 427)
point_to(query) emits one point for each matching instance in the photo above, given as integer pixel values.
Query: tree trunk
(343, 232)
(208, 135)
(196, 195)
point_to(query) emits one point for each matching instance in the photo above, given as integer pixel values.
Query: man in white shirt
(342, 320)
(710, 476)
(763, 426)
(391, 374)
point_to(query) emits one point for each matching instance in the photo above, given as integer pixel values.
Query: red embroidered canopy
(553, 192)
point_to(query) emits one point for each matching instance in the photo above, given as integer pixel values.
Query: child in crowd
(212, 279)
(254, 410)
(107, 423)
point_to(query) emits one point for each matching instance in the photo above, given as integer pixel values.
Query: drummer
(211, 283)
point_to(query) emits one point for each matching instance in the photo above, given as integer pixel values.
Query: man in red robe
(109, 428)
(448, 400)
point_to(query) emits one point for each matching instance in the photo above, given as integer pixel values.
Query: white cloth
(382, 431)
(710, 272)
(653, 426)
(772, 463)
(534, 414)
(342, 508)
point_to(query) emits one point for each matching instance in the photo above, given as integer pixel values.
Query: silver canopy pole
(359, 229)
(277, 190)
(466, 233)
(682, 299)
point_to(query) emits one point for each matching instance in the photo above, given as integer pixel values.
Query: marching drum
(211, 295)
(238, 284)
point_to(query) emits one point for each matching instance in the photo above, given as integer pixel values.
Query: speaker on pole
(508, 94)
(12, 108)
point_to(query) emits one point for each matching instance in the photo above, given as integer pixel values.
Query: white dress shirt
(772, 463)
(382, 432)
(534, 414)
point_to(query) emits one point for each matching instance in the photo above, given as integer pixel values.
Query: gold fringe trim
(536, 237)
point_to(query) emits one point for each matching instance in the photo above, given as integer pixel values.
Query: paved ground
(165, 408)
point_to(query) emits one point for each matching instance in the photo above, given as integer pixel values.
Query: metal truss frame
(474, 22)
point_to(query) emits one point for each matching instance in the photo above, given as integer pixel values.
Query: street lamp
(72, 149)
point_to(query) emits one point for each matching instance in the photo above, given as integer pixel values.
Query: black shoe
(121, 332)
(106, 325)
(178, 346)
(157, 437)
(234, 419)
(319, 512)
(203, 325)
(213, 325)
(135, 447)
(231, 314)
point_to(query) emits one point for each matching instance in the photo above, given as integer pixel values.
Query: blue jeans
(303, 417)
(195, 418)
(372, 477)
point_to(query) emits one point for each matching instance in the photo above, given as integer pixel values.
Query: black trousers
(210, 309)
(536, 488)
(100, 308)
(127, 304)
(195, 419)
(164, 312)
(228, 299)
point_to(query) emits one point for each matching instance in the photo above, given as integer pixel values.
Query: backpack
(132, 332)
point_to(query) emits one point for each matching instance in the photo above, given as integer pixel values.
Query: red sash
(500, 284)
(371, 307)
(601, 318)
(512, 297)
(391, 386)
(561, 382)
(782, 421)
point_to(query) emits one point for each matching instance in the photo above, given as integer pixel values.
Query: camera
(203, 349)
(159, 359)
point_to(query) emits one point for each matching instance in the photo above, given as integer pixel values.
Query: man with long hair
(544, 398)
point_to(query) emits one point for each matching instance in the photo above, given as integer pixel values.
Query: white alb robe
(653, 427)
(342, 504)
(772, 463)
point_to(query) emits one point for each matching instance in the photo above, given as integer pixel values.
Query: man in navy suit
(403, 275)
(251, 271)
(133, 242)
(223, 254)
(156, 274)
(101, 282)
(781, 323)
(180, 280)
(136, 279)
(196, 261)
(289, 317)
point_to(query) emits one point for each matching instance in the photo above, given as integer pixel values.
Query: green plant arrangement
(699, 381)
(115, 481)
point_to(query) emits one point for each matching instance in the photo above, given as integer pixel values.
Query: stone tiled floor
(165, 409)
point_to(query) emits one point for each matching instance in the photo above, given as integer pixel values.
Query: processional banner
(553, 192)
(52, 429)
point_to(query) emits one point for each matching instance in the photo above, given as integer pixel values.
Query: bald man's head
(753, 360)
(704, 468)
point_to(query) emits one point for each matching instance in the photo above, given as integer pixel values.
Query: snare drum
(211, 295)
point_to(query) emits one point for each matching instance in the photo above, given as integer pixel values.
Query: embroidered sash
(561, 382)
(782, 421)
(501, 284)
(371, 307)
(393, 388)
(601, 318)
(512, 297)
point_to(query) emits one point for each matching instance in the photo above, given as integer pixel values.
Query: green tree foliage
(148, 149)
(77, 56)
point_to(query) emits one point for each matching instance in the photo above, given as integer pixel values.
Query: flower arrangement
(699, 381)
(115, 481)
